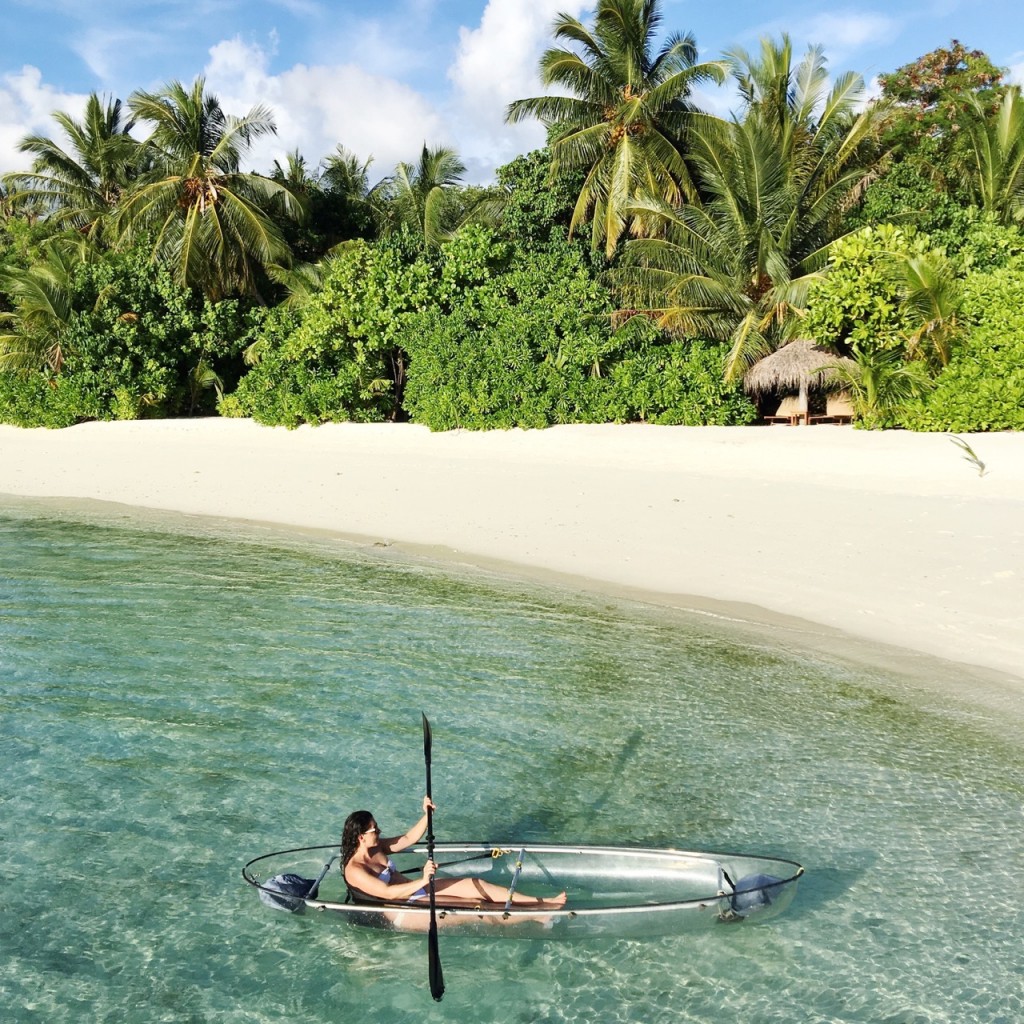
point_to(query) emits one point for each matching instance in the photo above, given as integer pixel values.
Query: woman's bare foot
(525, 902)
(556, 902)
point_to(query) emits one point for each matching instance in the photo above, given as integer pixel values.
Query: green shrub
(536, 209)
(857, 303)
(531, 345)
(131, 344)
(284, 392)
(515, 340)
(340, 357)
(982, 388)
(30, 399)
(677, 382)
(987, 245)
(907, 196)
(480, 334)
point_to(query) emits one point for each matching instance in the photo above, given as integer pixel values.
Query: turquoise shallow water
(177, 699)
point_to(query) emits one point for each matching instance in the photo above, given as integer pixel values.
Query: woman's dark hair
(355, 825)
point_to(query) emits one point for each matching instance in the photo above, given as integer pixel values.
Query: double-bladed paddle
(433, 957)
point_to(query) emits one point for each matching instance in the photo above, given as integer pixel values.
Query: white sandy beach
(891, 537)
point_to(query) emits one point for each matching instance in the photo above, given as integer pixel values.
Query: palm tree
(209, 219)
(418, 196)
(350, 206)
(8, 206)
(627, 114)
(931, 300)
(37, 329)
(81, 184)
(994, 169)
(881, 382)
(296, 174)
(736, 265)
(345, 173)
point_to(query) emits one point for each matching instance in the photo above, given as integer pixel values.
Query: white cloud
(316, 108)
(108, 51)
(841, 35)
(357, 101)
(495, 64)
(872, 92)
(850, 31)
(721, 100)
(378, 47)
(26, 108)
(844, 36)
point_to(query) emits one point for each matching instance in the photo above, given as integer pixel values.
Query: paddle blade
(434, 963)
(427, 738)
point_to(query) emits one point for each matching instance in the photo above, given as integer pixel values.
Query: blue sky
(383, 76)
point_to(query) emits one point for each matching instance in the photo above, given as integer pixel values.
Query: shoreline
(826, 533)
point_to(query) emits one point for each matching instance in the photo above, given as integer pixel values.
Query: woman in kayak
(368, 868)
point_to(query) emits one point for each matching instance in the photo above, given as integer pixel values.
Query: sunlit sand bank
(890, 537)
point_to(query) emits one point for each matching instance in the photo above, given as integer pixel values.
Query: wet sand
(893, 538)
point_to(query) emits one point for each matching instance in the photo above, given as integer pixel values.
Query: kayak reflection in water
(367, 867)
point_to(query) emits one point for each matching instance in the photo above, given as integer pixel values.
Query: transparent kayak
(613, 892)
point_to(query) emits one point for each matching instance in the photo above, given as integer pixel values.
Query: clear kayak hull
(613, 892)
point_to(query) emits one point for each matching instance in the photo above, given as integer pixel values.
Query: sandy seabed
(889, 537)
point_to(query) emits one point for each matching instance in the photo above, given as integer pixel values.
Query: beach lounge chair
(837, 410)
(788, 412)
(840, 408)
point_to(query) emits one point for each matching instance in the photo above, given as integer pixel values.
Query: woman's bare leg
(488, 892)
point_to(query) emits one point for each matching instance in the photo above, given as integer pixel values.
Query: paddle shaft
(515, 879)
(433, 956)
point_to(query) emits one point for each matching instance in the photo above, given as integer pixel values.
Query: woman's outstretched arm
(414, 834)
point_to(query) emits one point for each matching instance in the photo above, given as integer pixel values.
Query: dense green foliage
(735, 266)
(857, 306)
(135, 344)
(153, 276)
(957, 368)
(340, 356)
(478, 334)
(930, 101)
(908, 195)
(533, 206)
(512, 339)
(676, 383)
(982, 386)
(986, 245)
(532, 346)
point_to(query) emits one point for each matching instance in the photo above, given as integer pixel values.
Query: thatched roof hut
(797, 366)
